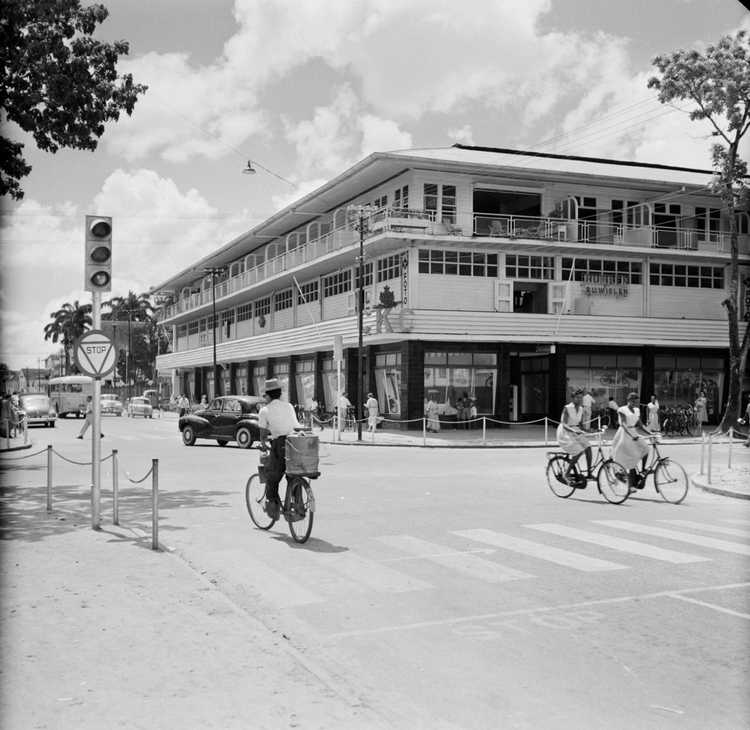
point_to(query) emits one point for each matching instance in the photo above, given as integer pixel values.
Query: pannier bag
(302, 455)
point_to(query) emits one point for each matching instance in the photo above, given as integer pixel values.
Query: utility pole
(214, 270)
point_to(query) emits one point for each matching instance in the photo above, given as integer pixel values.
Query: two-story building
(510, 277)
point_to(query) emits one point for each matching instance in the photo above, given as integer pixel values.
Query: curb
(16, 448)
(724, 492)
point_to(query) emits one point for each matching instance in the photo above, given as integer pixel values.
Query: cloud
(463, 135)
(157, 229)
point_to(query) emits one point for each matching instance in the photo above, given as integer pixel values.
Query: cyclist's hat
(271, 384)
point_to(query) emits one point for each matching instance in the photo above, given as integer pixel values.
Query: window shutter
(503, 295)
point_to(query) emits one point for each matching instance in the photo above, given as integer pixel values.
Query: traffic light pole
(96, 425)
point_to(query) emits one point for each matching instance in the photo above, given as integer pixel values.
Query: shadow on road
(314, 545)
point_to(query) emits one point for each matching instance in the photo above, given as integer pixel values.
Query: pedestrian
(6, 415)
(472, 413)
(372, 412)
(344, 405)
(612, 409)
(701, 413)
(88, 419)
(652, 421)
(432, 412)
(204, 401)
(183, 404)
(587, 403)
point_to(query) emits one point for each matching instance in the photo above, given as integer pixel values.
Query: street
(449, 588)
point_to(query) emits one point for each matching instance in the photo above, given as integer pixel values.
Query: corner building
(511, 277)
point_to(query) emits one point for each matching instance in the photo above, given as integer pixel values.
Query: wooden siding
(464, 293)
(666, 301)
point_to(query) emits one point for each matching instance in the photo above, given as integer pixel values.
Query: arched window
(185, 292)
(313, 231)
(339, 218)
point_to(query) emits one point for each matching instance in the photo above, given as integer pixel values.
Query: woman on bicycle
(278, 419)
(571, 438)
(628, 448)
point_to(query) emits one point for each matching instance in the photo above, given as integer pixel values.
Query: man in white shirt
(587, 403)
(276, 419)
(343, 410)
(372, 412)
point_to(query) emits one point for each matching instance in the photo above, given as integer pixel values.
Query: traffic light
(98, 263)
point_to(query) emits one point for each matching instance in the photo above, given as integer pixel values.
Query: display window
(453, 376)
(330, 383)
(678, 381)
(388, 382)
(305, 382)
(605, 376)
(259, 379)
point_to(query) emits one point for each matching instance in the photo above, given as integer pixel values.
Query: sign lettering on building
(605, 285)
(404, 279)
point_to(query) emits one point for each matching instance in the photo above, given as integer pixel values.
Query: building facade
(508, 277)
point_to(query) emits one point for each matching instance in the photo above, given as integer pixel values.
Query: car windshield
(105, 396)
(139, 401)
(34, 401)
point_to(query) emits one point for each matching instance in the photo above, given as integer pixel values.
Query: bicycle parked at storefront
(564, 478)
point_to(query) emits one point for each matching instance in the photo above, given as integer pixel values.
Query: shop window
(388, 382)
(449, 377)
(605, 376)
(678, 381)
(304, 375)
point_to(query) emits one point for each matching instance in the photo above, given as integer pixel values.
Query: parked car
(140, 406)
(39, 409)
(110, 403)
(153, 398)
(227, 418)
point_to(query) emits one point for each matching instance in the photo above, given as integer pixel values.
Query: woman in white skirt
(652, 407)
(628, 448)
(571, 438)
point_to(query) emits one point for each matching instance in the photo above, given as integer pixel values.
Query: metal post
(424, 432)
(115, 490)
(7, 433)
(710, 449)
(96, 425)
(484, 429)
(360, 322)
(337, 408)
(731, 439)
(213, 322)
(546, 428)
(49, 478)
(154, 504)
(703, 449)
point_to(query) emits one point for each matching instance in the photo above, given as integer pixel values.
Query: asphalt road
(452, 589)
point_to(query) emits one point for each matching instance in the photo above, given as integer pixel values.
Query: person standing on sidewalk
(88, 420)
(746, 421)
(372, 412)
(587, 402)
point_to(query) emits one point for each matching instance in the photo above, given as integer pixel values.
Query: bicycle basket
(301, 453)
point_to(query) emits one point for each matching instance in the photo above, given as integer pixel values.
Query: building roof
(380, 167)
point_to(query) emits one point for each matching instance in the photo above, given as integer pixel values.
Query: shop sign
(404, 279)
(605, 285)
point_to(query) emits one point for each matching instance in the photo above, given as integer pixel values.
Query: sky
(306, 89)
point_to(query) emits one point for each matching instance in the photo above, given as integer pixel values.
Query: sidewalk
(733, 482)
(100, 631)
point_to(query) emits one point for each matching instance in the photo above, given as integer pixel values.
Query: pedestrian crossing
(406, 563)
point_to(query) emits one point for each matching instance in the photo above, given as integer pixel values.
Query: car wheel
(222, 442)
(244, 437)
(188, 436)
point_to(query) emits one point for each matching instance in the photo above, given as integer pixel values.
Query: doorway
(530, 297)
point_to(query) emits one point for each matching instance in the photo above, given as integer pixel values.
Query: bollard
(424, 432)
(154, 504)
(25, 433)
(703, 448)
(710, 448)
(7, 433)
(484, 429)
(731, 439)
(49, 478)
(546, 427)
(115, 490)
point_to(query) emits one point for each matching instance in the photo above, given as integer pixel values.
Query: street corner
(733, 482)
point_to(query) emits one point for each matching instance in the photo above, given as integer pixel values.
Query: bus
(68, 394)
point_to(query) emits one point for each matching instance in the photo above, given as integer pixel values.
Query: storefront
(604, 375)
(453, 375)
(679, 380)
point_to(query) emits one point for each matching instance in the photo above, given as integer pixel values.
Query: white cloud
(463, 135)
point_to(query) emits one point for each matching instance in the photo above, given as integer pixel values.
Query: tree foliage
(59, 84)
(67, 325)
(717, 82)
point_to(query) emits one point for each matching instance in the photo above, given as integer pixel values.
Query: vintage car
(111, 404)
(226, 418)
(39, 410)
(140, 406)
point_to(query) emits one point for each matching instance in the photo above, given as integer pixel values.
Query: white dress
(572, 443)
(625, 450)
(653, 416)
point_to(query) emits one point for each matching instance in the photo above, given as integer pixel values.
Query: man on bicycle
(276, 419)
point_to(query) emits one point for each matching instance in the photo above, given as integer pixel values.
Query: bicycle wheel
(301, 510)
(612, 480)
(671, 481)
(255, 499)
(556, 468)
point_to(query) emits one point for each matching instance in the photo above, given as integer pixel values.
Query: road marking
(713, 606)
(530, 611)
(540, 551)
(379, 577)
(709, 528)
(737, 521)
(621, 544)
(462, 562)
(709, 542)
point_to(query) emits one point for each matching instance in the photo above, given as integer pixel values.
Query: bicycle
(670, 478)
(298, 507)
(611, 478)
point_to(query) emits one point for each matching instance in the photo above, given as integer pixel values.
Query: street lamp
(214, 270)
(359, 215)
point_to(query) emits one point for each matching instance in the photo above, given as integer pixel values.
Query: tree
(718, 83)
(68, 324)
(59, 84)
(134, 308)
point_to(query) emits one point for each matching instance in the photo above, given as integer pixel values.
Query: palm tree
(67, 325)
(133, 308)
